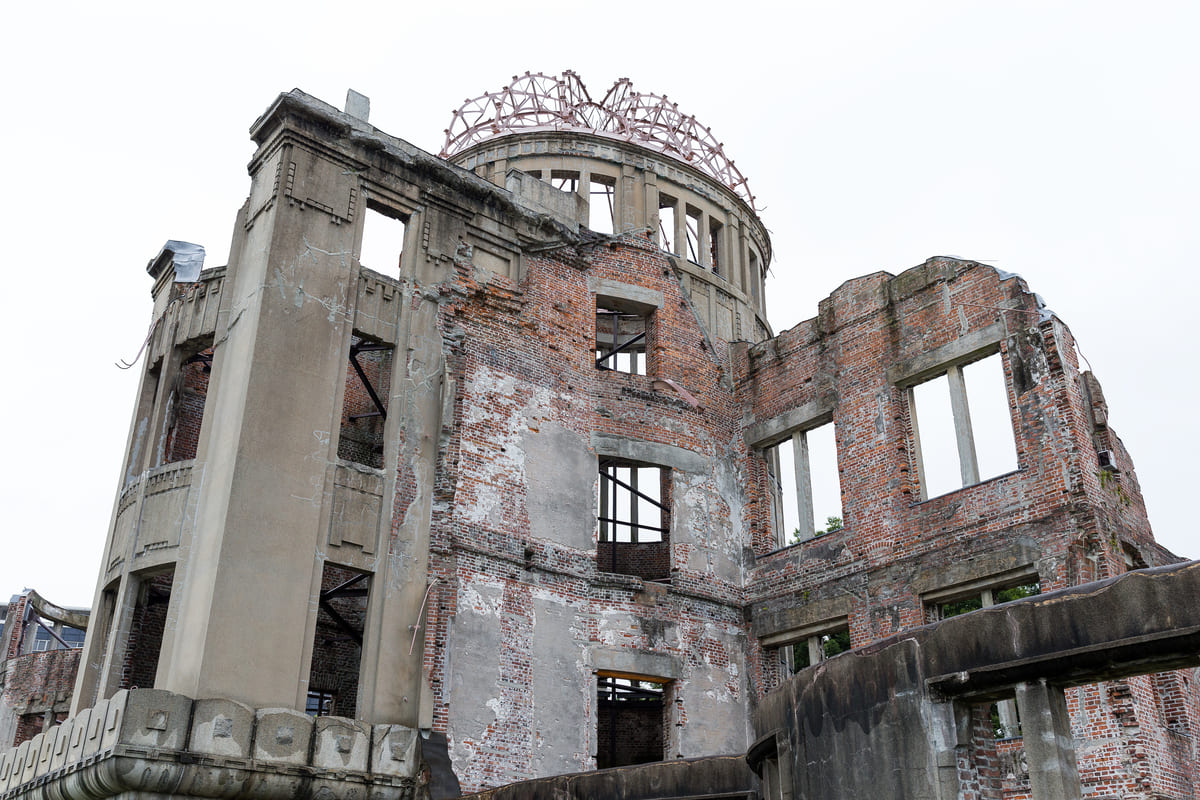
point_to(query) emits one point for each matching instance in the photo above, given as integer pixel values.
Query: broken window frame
(320, 703)
(693, 219)
(614, 353)
(351, 590)
(964, 431)
(604, 186)
(626, 688)
(372, 230)
(667, 238)
(813, 640)
(361, 344)
(802, 476)
(565, 180)
(612, 488)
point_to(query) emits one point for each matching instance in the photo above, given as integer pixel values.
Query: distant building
(42, 643)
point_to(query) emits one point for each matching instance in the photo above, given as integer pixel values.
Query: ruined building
(516, 499)
(39, 657)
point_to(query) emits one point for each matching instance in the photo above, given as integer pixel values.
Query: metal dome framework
(536, 101)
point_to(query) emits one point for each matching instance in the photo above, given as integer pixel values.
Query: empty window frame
(944, 606)
(667, 222)
(337, 641)
(602, 204)
(564, 181)
(959, 442)
(620, 340)
(364, 410)
(819, 646)
(693, 218)
(320, 703)
(633, 516)
(185, 409)
(382, 241)
(631, 505)
(806, 490)
(147, 625)
(630, 721)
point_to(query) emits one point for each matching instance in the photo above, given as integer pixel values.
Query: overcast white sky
(1057, 140)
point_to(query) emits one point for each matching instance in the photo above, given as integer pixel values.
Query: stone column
(1049, 746)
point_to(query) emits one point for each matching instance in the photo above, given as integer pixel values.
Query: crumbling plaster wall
(523, 615)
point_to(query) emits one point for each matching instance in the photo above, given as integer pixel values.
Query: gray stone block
(222, 728)
(341, 744)
(282, 734)
(395, 750)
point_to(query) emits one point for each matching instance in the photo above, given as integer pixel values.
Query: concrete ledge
(666, 455)
(633, 663)
(155, 742)
(712, 778)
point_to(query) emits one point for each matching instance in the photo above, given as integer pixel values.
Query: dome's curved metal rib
(561, 102)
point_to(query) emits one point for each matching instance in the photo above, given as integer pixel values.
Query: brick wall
(34, 684)
(1078, 521)
(191, 392)
(146, 627)
(522, 358)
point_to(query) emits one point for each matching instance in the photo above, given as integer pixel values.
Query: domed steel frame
(536, 101)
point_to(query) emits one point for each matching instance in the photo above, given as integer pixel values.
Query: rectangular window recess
(382, 242)
(631, 719)
(962, 427)
(633, 520)
(620, 341)
(805, 485)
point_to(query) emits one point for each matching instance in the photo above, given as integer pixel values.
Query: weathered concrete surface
(158, 743)
(888, 719)
(716, 777)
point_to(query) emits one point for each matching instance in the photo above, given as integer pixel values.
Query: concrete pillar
(650, 205)
(968, 463)
(583, 187)
(1049, 747)
(681, 229)
(804, 500)
(630, 214)
(270, 433)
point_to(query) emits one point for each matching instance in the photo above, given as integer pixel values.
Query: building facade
(519, 482)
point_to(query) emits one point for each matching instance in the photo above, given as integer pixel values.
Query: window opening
(601, 204)
(564, 181)
(147, 624)
(819, 647)
(320, 703)
(185, 411)
(632, 510)
(620, 341)
(984, 598)
(806, 486)
(360, 438)
(959, 441)
(715, 249)
(382, 242)
(692, 228)
(337, 641)
(666, 222)
(629, 721)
